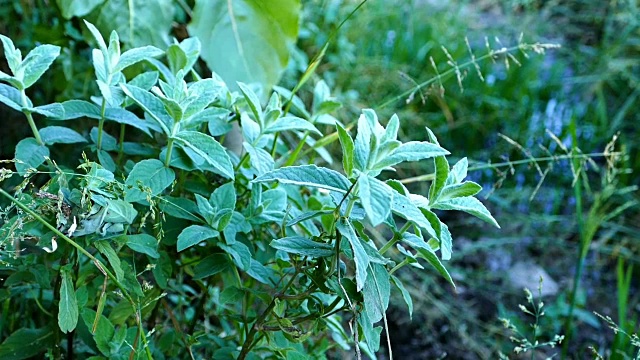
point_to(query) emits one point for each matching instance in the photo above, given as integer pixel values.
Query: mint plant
(162, 243)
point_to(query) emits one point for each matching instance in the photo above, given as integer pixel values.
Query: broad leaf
(360, 256)
(10, 96)
(376, 292)
(59, 134)
(261, 160)
(136, 55)
(411, 151)
(105, 249)
(71, 8)
(405, 294)
(68, 306)
(138, 22)
(143, 243)
(467, 188)
(120, 212)
(151, 105)
(37, 62)
(255, 37)
(376, 198)
(209, 149)
(291, 123)
(302, 246)
(308, 175)
(441, 171)
(402, 206)
(30, 155)
(152, 175)
(210, 265)
(347, 149)
(426, 252)
(239, 253)
(27, 343)
(194, 235)
(469, 205)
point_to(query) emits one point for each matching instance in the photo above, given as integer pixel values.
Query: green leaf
(71, 8)
(231, 295)
(209, 149)
(255, 37)
(180, 208)
(411, 151)
(59, 134)
(30, 155)
(210, 266)
(402, 206)
(195, 234)
(53, 111)
(376, 198)
(371, 334)
(105, 249)
(239, 253)
(363, 146)
(136, 55)
(469, 205)
(291, 123)
(426, 252)
(104, 330)
(143, 243)
(405, 294)
(376, 292)
(37, 62)
(152, 174)
(302, 246)
(446, 242)
(138, 22)
(151, 105)
(441, 171)
(68, 306)
(11, 97)
(11, 53)
(459, 171)
(360, 256)
(252, 100)
(261, 161)
(120, 212)
(27, 343)
(467, 188)
(308, 175)
(347, 149)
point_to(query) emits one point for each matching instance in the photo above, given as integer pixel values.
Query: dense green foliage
(160, 201)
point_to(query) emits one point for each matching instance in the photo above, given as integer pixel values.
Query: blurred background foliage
(576, 220)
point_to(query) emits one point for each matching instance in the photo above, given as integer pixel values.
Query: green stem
(103, 110)
(101, 267)
(294, 156)
(396, 237)
(404, 262)
(167, 160)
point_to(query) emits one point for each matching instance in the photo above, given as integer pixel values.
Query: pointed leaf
(210, 266)
(402, 206)
(30, 155)
(194, 235)
(151, 105)
(105, 249)
(144, 243)
(11, 97)
(291, 123)
(467, 188)
(68, 306)
(376, 292)
(59, 134)
(151, 174)
(405, 294)
(37, 62)
(376, 198)
(347, 150)
(411, 151)
(239, 253)
(136, 55)
(470, 205)
(360, 256)
(308, 175)
(209, 149)
(302, 246)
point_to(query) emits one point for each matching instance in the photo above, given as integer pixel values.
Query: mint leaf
(68, 306)
(143, 243)
(469, 205)
(152, 175)
(194, 235)
(209, 149)
(59, 134)
(376, 198)
(303, 246)
(360, 256)
(308, 175)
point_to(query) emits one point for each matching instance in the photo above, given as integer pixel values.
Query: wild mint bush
(172, 246)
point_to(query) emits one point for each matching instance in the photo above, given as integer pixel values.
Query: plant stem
(167, 160)
(103, 109)
(95, 260)
(396, 237)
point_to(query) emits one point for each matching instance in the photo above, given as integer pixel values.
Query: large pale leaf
(144, 243)
(308, 175)
(152, 175)
(37, 62)
(71, 8)
(302, 246)
(254, 35)
(59, 134)
(209, 149)
(360, 256)
(30, 155)
(193, 235)
(376, 292)
(376, 198)
(68, 306)
(137, 22)
(469, 205)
